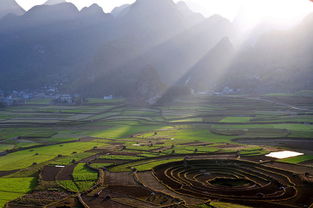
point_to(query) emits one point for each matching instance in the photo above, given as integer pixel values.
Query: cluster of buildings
(13, 98)
(22, 97)
(225, 91)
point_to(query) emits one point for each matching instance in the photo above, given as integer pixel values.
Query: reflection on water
(284, 154)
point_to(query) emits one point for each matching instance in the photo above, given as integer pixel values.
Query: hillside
(94, 53)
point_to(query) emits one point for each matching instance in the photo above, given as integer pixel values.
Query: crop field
(114, 153)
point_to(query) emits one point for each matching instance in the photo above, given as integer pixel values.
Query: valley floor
(106, 153)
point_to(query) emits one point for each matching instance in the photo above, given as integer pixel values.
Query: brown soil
(119, 179)
(148, 180)
(230, 146)
(308, 163)
(160, 149)
(123, 153)
(257, 158)
(69, 202)
(197, 144)
(5, 173)
(108, 161)
(279, 187)
(87, 139)
(66, 173)
(100, 202)
(49, 173)
(291, 167)
(38, 198)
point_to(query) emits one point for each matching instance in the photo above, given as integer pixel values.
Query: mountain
(280, 60)
(177, 55)
(48, 46)
(209, 72)
(53, 2)
(93, 10)
(120, 11)
(146, 26)
(94, 53)
(10, 7)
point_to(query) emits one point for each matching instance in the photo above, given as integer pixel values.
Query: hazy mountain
(53, 2)
(209, 72)
(94, 53)
(93, 10)
(120, 11)
(10, 7)
(179, 54)
(281, 60)
(138, 34)
(50, 46)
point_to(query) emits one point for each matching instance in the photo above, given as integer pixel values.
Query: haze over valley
(156, 104)
(93, 53)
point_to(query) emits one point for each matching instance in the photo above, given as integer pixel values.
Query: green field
(299, 159)
(83, 173)
(25, 158)
(236, 119)
(12, 188)
(115, 136)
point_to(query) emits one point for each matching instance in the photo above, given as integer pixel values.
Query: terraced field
(205, 151)
(235, 181)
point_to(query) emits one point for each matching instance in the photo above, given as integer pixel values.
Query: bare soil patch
(149, 181)
(66, 173)
(38, 199)
(49, 173)
(108, 161)
(101, 201)
(197, 144)
(120, 179)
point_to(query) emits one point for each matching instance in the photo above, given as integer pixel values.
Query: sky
(253, 11)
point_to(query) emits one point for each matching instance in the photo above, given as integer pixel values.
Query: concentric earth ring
(233, 180)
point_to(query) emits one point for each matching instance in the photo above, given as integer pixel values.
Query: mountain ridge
(92, 52)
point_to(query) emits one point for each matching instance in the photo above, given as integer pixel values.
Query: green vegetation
(227, 205)
(119, 157)
(42, 101)
(26, 158)
(149, 166)
(26, 132)
(84, 185)
(12, 188)
(68, 185)
(298, 159)
(83, 173)
(108, 130)
(253, 151)
(103, 101)
(142, 165)
(235, 119)
(74, 157)
(125, 131)
(100, 165)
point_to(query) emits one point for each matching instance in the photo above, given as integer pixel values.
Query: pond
(284, 154)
